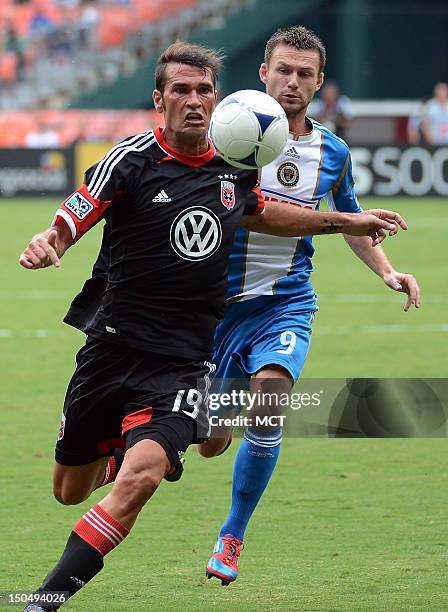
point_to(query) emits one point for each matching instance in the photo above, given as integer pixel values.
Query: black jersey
(172, 220)
(85, 305)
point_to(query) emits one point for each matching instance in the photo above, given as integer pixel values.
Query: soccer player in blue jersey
(265, 335)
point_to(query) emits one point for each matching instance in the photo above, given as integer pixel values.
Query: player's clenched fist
(46, 249)
(41, 251)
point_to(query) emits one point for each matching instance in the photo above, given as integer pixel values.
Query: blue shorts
(259, 332)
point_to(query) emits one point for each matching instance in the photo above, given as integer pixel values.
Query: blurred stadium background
(346, 524)
(76, 76)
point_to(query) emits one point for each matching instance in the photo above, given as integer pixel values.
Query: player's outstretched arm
(376, 260)
(289, 220)
(46, 249)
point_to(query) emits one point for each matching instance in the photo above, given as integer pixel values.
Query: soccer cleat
(36, 608)
(223, 564)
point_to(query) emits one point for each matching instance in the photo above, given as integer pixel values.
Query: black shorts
(119, 396)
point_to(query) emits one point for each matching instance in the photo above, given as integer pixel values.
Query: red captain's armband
(80, 211)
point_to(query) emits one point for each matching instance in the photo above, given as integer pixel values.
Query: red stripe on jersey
(140, 417)
(80, 211)
(260, 205)
(165, 159)
(104, 446)
(190, 160)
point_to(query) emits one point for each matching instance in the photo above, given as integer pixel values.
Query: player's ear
(157, 98)
(320, 81)
(263, 72)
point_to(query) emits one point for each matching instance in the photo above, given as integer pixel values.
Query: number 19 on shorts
(192, 400)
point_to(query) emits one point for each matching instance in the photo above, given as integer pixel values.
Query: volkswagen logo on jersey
(196, 233)
(288, 174)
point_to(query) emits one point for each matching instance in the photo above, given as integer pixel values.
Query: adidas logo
(292, 152)
(162, 196)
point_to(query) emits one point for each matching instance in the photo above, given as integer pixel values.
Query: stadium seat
(115, 22)
(58, 64)
(8, 67)
(21, 17)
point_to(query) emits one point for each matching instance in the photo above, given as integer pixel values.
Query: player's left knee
(265, 382)
(68, 496)
(270, 388)
(214, 447)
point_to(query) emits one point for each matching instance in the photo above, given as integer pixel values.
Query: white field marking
(336, 330)
(34, 295)
(416, 223)
(42, 333)
(32, 333)
(346, 298)
(339, 330)
(373, 298)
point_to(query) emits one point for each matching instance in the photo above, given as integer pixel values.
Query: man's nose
(293, 82)
(194, 100)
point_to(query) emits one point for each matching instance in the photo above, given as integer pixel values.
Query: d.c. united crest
(228, 194)
(61, 428)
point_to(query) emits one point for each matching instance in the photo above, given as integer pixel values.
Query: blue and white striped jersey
(312, 168)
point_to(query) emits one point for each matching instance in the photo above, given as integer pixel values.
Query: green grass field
(345, 524)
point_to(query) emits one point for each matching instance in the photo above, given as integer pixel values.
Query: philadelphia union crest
(228, 194)
(288, 174)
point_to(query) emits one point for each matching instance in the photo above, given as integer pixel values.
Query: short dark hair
(188, 53)
(298, 37)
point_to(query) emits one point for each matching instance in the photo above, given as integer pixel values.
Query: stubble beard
(297, 112)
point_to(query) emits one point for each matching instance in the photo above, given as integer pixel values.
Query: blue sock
(254, 463)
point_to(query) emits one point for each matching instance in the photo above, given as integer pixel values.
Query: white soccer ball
(249, 129)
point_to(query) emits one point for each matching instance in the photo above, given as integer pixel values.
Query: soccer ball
(249, 129)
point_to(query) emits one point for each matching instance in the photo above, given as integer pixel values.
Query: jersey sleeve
(103, 182)
(254, 201)
(342, 197)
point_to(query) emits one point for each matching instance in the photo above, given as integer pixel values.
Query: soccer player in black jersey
(141, 378)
